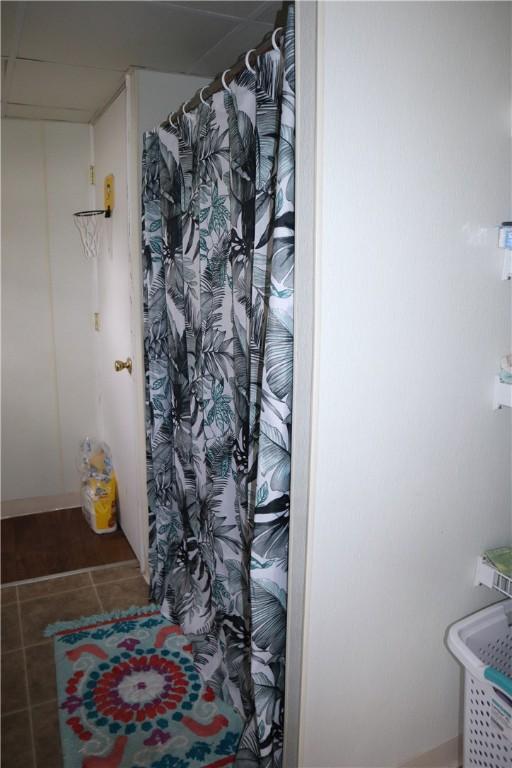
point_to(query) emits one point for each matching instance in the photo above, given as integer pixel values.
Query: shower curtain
(218, 246)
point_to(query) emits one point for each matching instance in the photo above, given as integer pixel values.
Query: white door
(120, 392)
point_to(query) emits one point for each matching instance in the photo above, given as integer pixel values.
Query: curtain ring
(274, 41)
(171, 122)
(184, 111)
(248, 61)
(204, 88)
(223, 80)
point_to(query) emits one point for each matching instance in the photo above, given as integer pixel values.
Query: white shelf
(502, 394)
(487, 576)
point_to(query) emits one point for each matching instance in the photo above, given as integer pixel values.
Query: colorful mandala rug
(130, 696)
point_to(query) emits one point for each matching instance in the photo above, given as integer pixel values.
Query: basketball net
(89, 225)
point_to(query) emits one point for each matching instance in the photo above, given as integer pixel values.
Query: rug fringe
(62, 626)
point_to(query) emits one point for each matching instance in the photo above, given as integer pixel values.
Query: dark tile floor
(56, 542)
(30, 729)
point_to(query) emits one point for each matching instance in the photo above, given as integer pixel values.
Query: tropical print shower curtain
(218, 242)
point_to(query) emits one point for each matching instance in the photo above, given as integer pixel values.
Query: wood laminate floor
(56, 542)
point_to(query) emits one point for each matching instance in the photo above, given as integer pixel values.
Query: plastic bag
(99, 486)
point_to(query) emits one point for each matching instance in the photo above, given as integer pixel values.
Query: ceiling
(66, 60)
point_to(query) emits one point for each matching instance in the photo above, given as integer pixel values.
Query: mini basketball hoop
(88, 224)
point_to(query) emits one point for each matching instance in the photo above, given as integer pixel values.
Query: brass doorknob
(120, 365)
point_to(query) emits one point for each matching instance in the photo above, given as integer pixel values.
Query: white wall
(67, 159)
(47, 334)
(412, 465)
(160, 93)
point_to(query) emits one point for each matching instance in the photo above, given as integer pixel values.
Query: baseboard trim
(37, 504)
(446, 755)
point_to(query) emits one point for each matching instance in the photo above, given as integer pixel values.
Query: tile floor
(30, 729)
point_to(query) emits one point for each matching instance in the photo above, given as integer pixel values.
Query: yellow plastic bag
(99, 487)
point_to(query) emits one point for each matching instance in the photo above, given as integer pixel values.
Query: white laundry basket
(483, 645)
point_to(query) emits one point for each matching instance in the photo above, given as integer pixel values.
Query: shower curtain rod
(226, 77)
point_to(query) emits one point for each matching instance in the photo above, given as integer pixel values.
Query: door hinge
(92, 175)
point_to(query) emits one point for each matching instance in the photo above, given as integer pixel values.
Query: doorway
(111, 288)
(73, 114)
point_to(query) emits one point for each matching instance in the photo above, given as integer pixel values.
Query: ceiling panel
(270, 14)
(118, 34)
(8, 26)
(47, 113)
(228, 51)
(240, 10)
(72, 55)
(63, 86)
